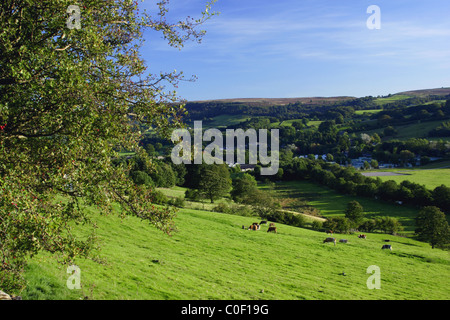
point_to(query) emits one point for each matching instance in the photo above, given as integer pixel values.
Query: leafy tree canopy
(432, 226)
(71, 98)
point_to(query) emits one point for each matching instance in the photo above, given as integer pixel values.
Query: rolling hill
(212, 258)
(317, 100)
(426, 92)
(279, 101)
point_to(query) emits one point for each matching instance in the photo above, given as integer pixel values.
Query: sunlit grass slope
(212, 257)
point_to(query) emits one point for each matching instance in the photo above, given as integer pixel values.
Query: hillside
(425, 92)
(279, 101)
(212, 257)
(318, 100)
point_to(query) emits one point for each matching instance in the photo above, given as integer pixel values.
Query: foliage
(215, 181)
(387, 224)
(288, 218)
(432, 227)
(141, 178)
(240, 210)
(346, 180)
(243, 185)
(441, 196)
(338, 224)
(158, 197)
(163, 175)
(177, 202)
(354, 212)
(192, 194)
(441, 131)
(72, 98)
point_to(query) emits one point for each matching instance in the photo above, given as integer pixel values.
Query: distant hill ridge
(426, 92)
(316, 100)
(278, 101)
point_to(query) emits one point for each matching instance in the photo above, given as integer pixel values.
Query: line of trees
(431, 224)
(215, 181)
(348, 181)
(354, 220)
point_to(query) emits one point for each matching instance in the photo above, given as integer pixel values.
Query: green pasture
(393, 98)
(226, 120)
(288, 123)
(439, 164)
(431, 178)
(212, 258)
(202, 204)
(331, 203)
(368, 111)
(418, 129)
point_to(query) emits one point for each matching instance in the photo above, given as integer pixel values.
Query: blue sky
(303, 48)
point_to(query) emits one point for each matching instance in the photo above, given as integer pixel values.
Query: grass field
(225, 120)
(368, 111)
(202, 204)
(331, 203)
(412, 130)
(431, 178)
(301, 196)
(393, 98)
(437, 165)
(211, 257)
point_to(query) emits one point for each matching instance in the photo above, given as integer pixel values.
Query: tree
(192, 194)
(162, 174)
(344, 142)
(70, 99)
(384, 120)
(374, 164)
(141, 178)
(368, 225)
(180, 172)
(242, 186)
(388, 225)
(432, 227)
(388, 190)
(366, 165)
(158, 146)
(330, 157)
(424, 160)
(390, 131)
(297, 124)
(150, 149)
(446, 107)
(327, 126)
(406, 156)
(215, 181)
(354, 213)
(441, 196)
(376, 138)
(262, 202)
(337, 224)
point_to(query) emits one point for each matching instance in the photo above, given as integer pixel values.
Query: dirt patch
(382, 174)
